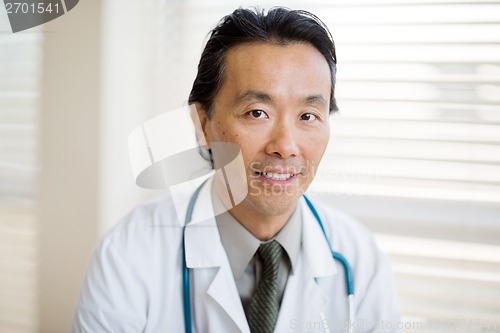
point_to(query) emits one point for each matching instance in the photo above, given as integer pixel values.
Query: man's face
(273, 104)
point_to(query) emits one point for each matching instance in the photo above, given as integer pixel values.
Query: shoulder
(128, 268)
(149, 225)
(342, 228)
(353, 240)
(372, 269)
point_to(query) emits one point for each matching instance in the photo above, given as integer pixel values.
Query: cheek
(225, 132)
(316, 146)
(218, 130)
(249, 144)
(324, 140)
(230, 134)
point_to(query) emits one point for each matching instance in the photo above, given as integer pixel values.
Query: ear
(201, 124)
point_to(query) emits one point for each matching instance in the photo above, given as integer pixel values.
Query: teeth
(277, 176)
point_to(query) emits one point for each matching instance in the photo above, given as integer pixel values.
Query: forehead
(281, 70)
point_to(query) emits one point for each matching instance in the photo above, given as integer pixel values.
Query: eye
(257, 114)
(308, 117)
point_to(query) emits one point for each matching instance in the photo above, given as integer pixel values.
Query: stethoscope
(337, 256)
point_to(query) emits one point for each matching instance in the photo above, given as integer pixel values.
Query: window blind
(20, 68)
(415, 150)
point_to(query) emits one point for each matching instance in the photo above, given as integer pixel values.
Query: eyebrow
(254, 95)
(315, 100)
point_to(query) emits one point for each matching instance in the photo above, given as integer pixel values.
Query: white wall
(70, 141)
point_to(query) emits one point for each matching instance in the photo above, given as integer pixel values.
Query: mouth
(277, 176)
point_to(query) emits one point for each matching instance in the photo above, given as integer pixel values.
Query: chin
(273, 205)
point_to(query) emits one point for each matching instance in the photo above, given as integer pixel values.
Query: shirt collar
(290, 236)
(240, 245)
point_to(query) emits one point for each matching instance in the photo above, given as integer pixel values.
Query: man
(265, 84)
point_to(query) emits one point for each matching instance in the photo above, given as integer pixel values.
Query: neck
(264, 227)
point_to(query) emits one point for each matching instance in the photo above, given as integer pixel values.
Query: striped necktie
(264, 305)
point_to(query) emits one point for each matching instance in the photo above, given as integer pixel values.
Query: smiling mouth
(276, 176)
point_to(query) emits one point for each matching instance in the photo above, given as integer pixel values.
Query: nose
(283, 142)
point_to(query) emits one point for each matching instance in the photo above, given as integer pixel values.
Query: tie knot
(270, 253)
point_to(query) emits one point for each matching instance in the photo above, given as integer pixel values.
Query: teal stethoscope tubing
(337, 256)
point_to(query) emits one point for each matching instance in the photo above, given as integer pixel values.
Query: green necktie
(264, 305)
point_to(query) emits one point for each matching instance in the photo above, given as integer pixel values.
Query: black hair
(280, 26)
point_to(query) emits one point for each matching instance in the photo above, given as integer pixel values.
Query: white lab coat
(133, 282)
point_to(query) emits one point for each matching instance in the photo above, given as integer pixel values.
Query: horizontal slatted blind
(415, 150)
(20, 69)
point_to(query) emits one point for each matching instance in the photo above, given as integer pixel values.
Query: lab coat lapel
(304, 301)
(223, 290)
(204, 252)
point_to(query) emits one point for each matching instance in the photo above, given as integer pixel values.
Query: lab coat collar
(304, 299)
(203, 245)
(316, 251)
(204, 249)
